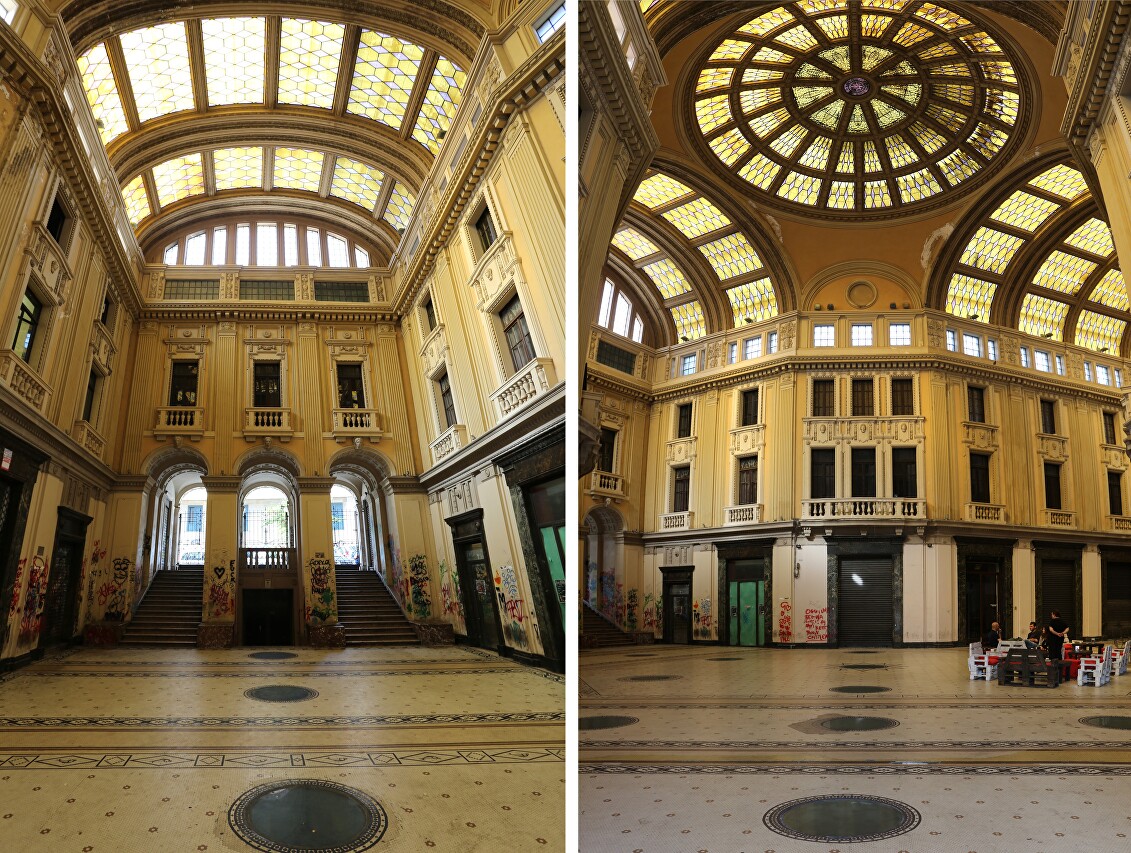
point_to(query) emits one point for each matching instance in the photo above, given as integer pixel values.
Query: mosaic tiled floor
(144, 750)
(722, 744)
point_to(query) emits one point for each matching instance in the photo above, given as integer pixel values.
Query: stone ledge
(327, 636)
(215, 635)
(435, 633)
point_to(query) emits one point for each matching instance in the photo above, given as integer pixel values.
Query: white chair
(1005, 645)
(1119, 659)
(979, 664)
(1095, 670)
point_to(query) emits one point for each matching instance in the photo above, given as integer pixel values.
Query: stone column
(1091, 589)
(221, 557)
(317, 556)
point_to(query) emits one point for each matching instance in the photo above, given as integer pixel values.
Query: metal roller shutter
(1117, 599)
(865, 615)
(1058, 592)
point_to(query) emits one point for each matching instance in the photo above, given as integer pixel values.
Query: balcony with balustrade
(186, 421)
(604, 485)
(533, 381)
(870, 509)
(268, 422)
(448, 442)
(348, 424)
(24, 382)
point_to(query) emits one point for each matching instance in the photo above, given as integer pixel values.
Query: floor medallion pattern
(280, 693)
(307, 815)
(841, 819)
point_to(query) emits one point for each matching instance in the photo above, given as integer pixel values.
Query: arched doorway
(346, 527)
(191, 512)
(270, 596)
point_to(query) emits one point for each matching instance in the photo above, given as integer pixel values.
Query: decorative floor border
(892, 704)
(1037, 769)
(125, 673)
(856, 744)
(301, 720)
(215, 759)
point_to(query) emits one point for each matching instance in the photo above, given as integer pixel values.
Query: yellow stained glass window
(237, 168)
(937, 50)
(803, 95)
(812, 7)
(769, 54)
(1099, 332)
(1064, 181)
(754, 300)
(668, 278)
(816, 156)
(755, 99)
(873, 26)
(899, 152)
(298, 169)
(803, 189)
(787, 142)
(357, 182)
(911, 34)
(731, 256)
(714, 78)
(712, 112)
(178, 178)
(970, 297)
(158, 62)
(958, 166)
(876, 194)
(445, 91)
(659, 189)
(1094, 237)
(102, 94)
(234, 59)
(979, 42)
(829, 115)
(399, 209)
(798, 37)
(689, 322)
(842, 195)
(383, 77)
(917, 186)
(634, 244)
(990, 250)
(730, 146)
(1002, 72)
(1041, 316)
(1064, 273)
(309, 55)
(762, 75)
(1111, 290)
(730, 50)
(766, 23)
(137, 202)
(1024, 211)
(1002, 105)
(927, 137)
(760, 171)
(696, 218)
(766, 124)
(988, 140)
(834, 26)
(945, 18)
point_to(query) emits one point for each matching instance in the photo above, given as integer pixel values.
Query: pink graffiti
(785, 623)
(514, 609)
(817, 624)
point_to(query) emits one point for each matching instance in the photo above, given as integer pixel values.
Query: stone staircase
(600, 632)
(170, 611)
(369, 612)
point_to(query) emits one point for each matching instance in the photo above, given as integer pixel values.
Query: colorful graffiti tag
(320, 608)
(450, 601)
(785, 622)
(113, 593)
(221, 590)
(512, 609)
(34, 601)
(701, 616)
(421, 600)
(632, 601)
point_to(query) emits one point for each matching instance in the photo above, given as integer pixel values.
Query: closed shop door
(1058, 592)
(865, 615)
(747, 609)
(1117, 599)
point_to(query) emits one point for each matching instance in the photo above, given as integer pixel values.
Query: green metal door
(733, 599)
(747, 613)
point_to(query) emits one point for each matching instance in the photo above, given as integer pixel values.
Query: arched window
(619, 315)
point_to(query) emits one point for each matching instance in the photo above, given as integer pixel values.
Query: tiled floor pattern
(990, 769)
(145, 750)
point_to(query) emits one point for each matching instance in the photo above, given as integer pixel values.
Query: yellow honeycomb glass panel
(899, 152)
(668, 278)
(659, 189)
(730, 146)
(399, 209)
(1099, 332)
(1064, 272)
(768, 54)
(235, 59)
(937, 51)
(760, 171)
(957, 92)
(767, 123)
(714, 78)
(876, 194)
(979, 42)
(911, 34)
(958, 166)
(987, 139)
(761, 75)
(917, 186)
(752, 100)
(944, 18)
(696, 218)
(873, 26)
(730, 50)
(948, 118)
(238, 168)
(753, 301)
(871, 157)
(927, 138)
(713, 112)
(990, 250)
(445, 91)
(1001, 72)
(1093, 237)
(178, 178)
(102, 94)
(970, 297)
(731, 256)
(845, 162)
(882, 5)
(798, 37)
(951, 69)
(1025, 211)
(834, 26)
(1041, 316)
(309, 55)
(842, 195)
(137, 202)
(816, 156)
(1064, 181)
(803, 189)
(357, 182)
(689, 322)
(787, 142)
(298, 169)
(1111, 290)
(383, 76)
(766, 23)
(634, 244)
(813, 7)
(157, 59)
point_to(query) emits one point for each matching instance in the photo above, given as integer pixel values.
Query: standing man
(1056, 631)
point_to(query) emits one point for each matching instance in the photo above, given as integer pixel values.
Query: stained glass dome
(869, 107)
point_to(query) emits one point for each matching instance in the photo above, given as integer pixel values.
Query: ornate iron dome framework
(858, 109)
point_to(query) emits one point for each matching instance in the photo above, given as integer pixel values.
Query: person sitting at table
(1057, 634)
(992, 638)
(1034, 637)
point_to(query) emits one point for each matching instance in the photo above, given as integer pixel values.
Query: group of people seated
(1051, 637)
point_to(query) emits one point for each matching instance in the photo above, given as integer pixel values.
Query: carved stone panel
(681, 450)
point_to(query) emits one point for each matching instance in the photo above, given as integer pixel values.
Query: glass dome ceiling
(851, 107)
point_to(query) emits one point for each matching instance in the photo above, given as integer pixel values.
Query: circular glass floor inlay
(280, 693)
(859, 724)
(640, 655)
(1107, 722)
(611, 721)
(863, 666)
(724, 658)
(651, 677)
(841, 819)
(860, 688)
(862, 653)
(272, 655)
(307, 815)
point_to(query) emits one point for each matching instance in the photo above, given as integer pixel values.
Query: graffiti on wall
(512, 609)
(34, 601)
(817, 624)
(701, 616)
(92, 567)
(451, 601)
(785, 622)
(649, 612)
(591, 584)
(14, 604)
(421, 607)
(632, 602)
(113, 592)
(221, 589)
(611, 595)
(320, 609)
(398, 583)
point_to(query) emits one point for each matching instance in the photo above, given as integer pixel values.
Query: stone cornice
(406, 486)
(238, 313)
(320, 485)
(1090, 87)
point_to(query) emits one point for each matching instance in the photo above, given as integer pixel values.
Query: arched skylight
(857, 107)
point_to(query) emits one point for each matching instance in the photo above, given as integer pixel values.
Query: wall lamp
(797, 570)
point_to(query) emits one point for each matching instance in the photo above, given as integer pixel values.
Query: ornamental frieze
(681, 450)
(827, 430)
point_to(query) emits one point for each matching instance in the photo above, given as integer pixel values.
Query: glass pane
(237, 168)
(356, 182)
(658, 190)
(290, 245)
(171, 253)
(194, 249)
(753, 301)
(220, 245)
(731, 256)
(102, 94)
(178, 178)
(624, 311)
(668, 278)
(383, 77)
(160, 75)
(137, 201)
(266, 245)
(298, 169)
(243, 245)
(234, 59)
(637, 330)
(689, 321)
(399, 209)
(445, 90)
(360, 256)
(606, 305)
(634, 244)
(309, 55)
(337, 251)
(313, 247)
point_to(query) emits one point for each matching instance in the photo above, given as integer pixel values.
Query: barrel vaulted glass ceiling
(1050, 233)
(719, 250)
(137, 79)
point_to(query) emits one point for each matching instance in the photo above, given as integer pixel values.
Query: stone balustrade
(24, 382)
(743, 514)
(527, 385)
(865, 508)
(89, 438)
(448, 442)
(267, 421)
(180, 420)
(677, 520)
(985, 512)
(352, 423)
